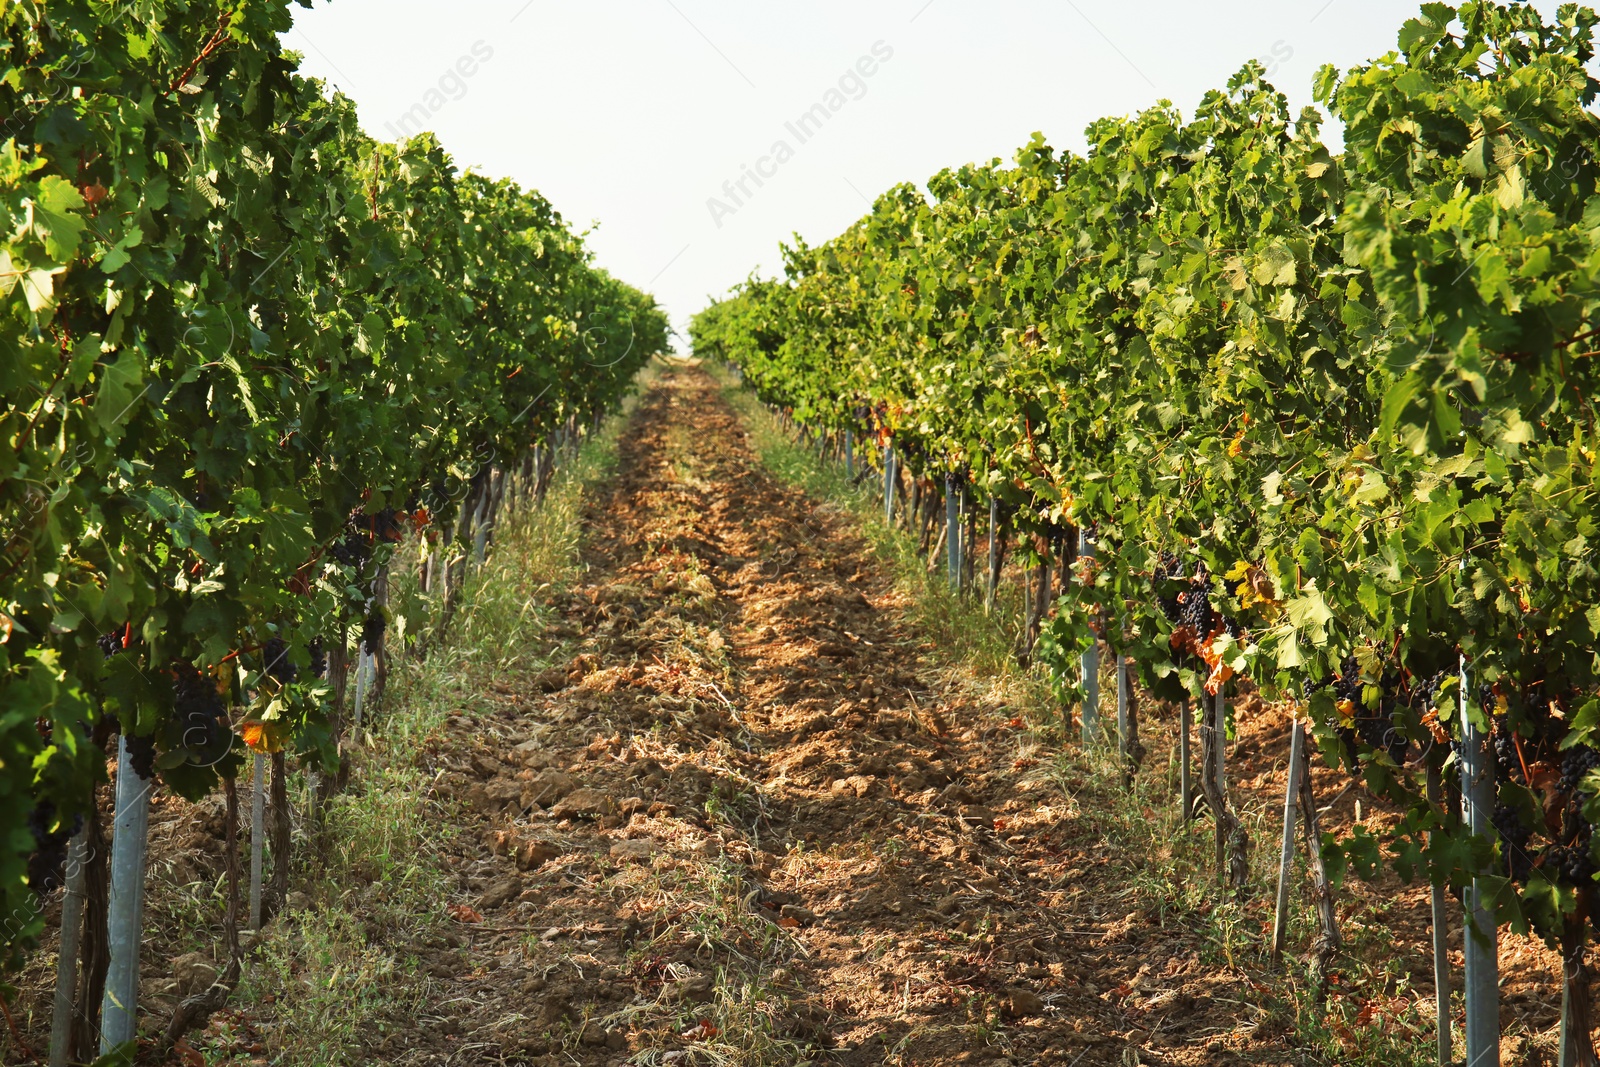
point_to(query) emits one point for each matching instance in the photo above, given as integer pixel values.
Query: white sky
(634, 113)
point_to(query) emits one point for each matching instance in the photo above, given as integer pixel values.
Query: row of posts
(1480, 953)
(130, 828)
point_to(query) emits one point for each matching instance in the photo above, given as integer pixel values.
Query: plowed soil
(788, 838)
(764, 830)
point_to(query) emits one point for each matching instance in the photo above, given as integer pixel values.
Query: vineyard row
(246, 351)
(1256, 413)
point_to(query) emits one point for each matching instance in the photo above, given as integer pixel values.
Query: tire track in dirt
(750, 822)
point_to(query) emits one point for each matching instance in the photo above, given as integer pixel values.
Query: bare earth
(788, 838)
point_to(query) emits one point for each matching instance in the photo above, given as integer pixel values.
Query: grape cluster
(275, 660)
(1373, 728)
(1507, 764)
(1195, 607)
(1426, 691)
(1168, 569)
(319, 658)
(142, 755)
(352, 550)
(110, 643)
(386, 525)
(1348, 685)
(1577, 763)
(1377, 731)
(355, 547)
(200, 713)
(1514, 835)
(372, 632)
(1575, 862)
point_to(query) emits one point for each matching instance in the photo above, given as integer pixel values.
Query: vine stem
(1089, 662)
(67, 956)
(218, 35)
(1441, 933)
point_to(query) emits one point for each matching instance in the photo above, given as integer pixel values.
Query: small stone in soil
(639, 851)
(1023, 1002)
(581, 804)
(501, 891)
(193, 973)
(803, 916)
(954, 793)
(548, 786)
(695, 990)
(535, 854)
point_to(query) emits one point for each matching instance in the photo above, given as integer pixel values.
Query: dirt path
(764, 831)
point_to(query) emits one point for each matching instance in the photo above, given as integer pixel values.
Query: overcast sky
(635, 114)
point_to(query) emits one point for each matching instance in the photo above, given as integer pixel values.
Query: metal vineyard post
(952, 525)
(1124, 697)
(258, 826)
(888, 484)
(1185, 759)
(119, 1014)
(1441, 933)
(1480, 932)
(1280, 923)
(1090, 661)
(992, 582)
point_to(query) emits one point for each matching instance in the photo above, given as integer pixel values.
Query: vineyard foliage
(1329, 416)
(242, 347)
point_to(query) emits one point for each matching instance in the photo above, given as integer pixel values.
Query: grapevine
(1342, 388)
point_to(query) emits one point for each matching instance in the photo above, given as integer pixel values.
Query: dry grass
(343, 967)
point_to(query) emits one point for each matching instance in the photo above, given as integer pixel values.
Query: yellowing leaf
(264, 737)
(55, 222)
(38, 284)
(39, 287)
(1234, 271)
(1275, 266)
(1510, 192)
